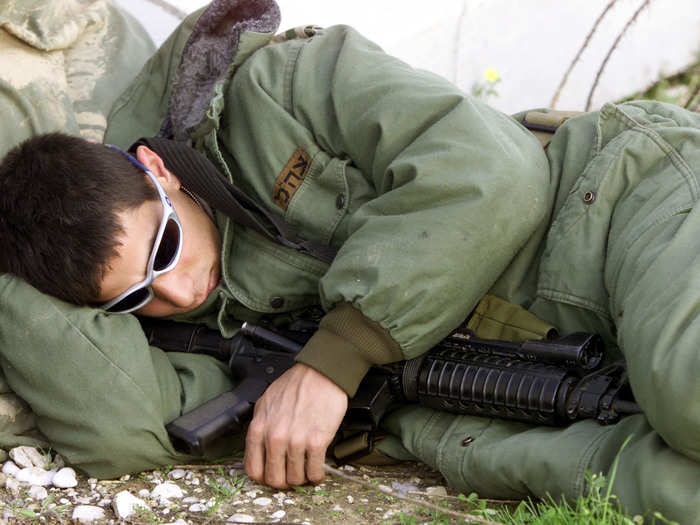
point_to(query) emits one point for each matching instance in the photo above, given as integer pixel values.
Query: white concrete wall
(529, 43)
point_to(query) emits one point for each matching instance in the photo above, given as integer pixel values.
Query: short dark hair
(59, 199)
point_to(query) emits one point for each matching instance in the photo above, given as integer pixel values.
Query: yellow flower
(491, 75)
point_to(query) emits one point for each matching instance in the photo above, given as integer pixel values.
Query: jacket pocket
(321, 201)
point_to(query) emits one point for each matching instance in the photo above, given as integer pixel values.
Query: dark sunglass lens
(169, 244)
(130, 301)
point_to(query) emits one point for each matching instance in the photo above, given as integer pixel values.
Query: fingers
(314, 466)
(296, 464)
(276, 460)
(295, 421)
(280, 460)
(254, 457)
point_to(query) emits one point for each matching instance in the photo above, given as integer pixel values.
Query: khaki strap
(494, 318)
(543, 124)
(295, 33)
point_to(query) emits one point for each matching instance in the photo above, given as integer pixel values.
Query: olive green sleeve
(100, 394)
(460, 187)
(346, 345)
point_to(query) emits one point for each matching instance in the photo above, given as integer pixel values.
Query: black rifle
(547, 382)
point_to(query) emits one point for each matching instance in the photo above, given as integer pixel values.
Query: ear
(155, 165)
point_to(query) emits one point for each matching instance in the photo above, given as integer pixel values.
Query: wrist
(346, 345)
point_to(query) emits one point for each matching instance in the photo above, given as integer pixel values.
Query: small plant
(145, 515)
(487, 87)
(406, 519)
(303, 490)
(223, 488)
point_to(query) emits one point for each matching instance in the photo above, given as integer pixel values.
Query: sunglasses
(164, 255)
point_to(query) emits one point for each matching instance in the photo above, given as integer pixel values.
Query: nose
(174, 288)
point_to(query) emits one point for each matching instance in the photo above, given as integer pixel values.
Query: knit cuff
(346, 344)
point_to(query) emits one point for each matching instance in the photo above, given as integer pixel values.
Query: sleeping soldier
(440, 209)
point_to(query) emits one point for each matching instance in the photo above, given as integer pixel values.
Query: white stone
(242, 518)
(125, 477)
(190, 499)
(253, 493)
(38, 493)
(436, 491)
(28, 457)
(87, 513)
(178, 473)
(385, 488)
(65, 478)
(350, 499)
(178, 522)
(290, 502)
(64, 501)
(263, 502)
(337, 508)
(83, 500)
(278, 514)
(10, 468)
(348, 468)
(166, 491)
(197, 507)
(144, 493)
(125, 504)
(35, 476)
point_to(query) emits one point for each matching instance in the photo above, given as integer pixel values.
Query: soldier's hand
(294, 422)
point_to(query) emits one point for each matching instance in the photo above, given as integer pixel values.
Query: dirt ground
(223, 494)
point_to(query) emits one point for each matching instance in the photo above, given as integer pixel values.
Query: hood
(210, 56)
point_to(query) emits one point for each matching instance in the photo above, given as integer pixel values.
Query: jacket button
(589, 197)
(276, 302)
(340, 201)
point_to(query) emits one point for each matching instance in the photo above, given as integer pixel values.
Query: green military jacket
(433, 200)
(319, 140)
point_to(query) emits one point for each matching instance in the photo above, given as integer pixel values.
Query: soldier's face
(198, 271)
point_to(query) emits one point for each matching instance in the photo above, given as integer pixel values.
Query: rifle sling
(199, 175)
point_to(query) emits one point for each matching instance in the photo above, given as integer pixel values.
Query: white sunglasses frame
(151, 274)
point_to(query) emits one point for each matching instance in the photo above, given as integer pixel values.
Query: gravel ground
(193, 494)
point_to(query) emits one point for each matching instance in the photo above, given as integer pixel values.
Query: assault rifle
(547, 382)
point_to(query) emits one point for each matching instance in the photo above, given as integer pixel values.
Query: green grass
(599, 506)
